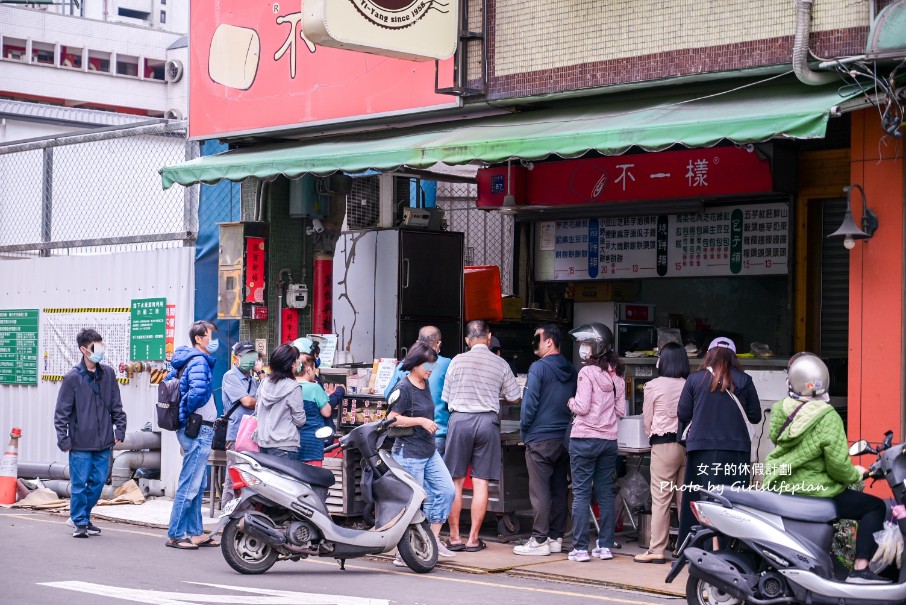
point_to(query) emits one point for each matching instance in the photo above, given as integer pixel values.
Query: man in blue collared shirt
(240, 384)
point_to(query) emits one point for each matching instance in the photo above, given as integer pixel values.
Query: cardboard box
(631, 433)
(512, 307)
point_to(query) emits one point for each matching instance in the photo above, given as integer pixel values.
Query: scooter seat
(298, 470)
(800, 508)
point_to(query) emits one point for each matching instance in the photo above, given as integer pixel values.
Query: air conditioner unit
(173, 70)
(173, 114)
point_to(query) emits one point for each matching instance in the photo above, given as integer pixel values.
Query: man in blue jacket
(193, 366)
(88, 407)
(543, 421)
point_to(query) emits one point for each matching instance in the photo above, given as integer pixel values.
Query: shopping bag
(247, 427)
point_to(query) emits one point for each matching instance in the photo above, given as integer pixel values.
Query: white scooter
(281, 514)
(778, 546)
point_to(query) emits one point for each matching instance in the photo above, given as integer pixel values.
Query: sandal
(207, 543)
(455, 546)
(182, 543)
(480, 546)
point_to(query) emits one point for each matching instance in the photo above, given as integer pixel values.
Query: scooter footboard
(712, 568)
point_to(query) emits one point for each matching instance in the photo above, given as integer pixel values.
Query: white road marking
(264, 596)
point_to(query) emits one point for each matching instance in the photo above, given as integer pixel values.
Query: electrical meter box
(242, 271)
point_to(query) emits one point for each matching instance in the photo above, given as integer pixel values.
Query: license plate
(229, 508)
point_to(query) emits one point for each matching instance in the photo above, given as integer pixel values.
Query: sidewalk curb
(521, 571)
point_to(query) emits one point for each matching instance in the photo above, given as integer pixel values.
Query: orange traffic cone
(9, 466)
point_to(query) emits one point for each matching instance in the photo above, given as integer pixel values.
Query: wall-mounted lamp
(849, 231)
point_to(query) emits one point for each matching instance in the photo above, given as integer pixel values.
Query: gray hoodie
(281, 411)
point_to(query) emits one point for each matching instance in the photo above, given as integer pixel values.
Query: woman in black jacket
(718, 439)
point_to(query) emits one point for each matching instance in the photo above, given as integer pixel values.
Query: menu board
(19, 346)
(148, 329)
(744, 240)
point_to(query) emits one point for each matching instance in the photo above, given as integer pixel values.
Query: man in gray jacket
(88, 407)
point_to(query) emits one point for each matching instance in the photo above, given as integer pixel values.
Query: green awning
(651, 120)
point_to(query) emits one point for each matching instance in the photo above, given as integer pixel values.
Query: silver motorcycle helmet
(596, 335)
(808, 377)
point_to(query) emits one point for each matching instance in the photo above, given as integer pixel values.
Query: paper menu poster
(381, 373)
(328, 344)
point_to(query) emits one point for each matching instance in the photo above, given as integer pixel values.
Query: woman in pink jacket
(668, 458)
(599, 403)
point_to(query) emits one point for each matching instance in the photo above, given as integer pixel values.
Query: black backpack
(169, 395)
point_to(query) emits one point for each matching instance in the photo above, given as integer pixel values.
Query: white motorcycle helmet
(808, 377)
(595, 339)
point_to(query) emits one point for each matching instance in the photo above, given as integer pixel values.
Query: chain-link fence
(488, 234)
(95, 192)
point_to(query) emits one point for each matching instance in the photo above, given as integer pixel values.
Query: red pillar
(876, 297)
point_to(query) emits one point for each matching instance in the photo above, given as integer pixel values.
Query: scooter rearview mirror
(324, 432)
(860, 447)
(888, 440)
(391, 401)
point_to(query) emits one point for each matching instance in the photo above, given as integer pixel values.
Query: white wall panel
(111, 280)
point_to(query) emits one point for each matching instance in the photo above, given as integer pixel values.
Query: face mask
(427, 367)
(536, 342)
(213, 346)
(585, 351)
(317, 363)
(96, 353)
(248, 361)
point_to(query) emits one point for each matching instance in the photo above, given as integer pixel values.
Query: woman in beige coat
(668, 457)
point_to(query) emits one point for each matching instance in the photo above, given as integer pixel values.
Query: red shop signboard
(690, 173)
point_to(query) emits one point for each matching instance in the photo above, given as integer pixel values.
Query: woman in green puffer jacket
(812, 457)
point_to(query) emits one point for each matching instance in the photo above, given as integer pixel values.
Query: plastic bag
(634, 491)
(890, 548)
(245, 441)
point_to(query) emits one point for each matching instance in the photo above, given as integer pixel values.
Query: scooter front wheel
(244, 553)
(700, 592)
(418, 548)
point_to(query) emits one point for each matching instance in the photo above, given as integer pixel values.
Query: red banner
(255, 252)
(289, 319)
(321, 313)
(692, 173)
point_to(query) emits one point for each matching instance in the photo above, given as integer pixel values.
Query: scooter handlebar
(386, 422)
(333, 447)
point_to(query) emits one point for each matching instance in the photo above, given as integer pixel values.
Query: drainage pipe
(139, 440)
(64, 489)
(127, 462)
(44, 470)
(800, 48)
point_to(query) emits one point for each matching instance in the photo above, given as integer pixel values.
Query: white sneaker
(443, 551)
(555, 545)
(533, 549)
(398, 561)
(580, 556)
(602, 553)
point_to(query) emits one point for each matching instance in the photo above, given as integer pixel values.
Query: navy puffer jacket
(195, 383)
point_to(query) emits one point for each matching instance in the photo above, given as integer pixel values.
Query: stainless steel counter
(770, 363)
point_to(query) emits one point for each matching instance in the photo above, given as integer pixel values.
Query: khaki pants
(668, 467)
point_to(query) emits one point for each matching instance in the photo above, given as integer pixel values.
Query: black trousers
(869, 511)
(709, 467)
(548, 467)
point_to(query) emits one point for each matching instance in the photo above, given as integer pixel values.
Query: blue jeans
(593, 463)
(279, 452)
(185, 518)
(432, 474)
(440, 442)
(88, 472)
